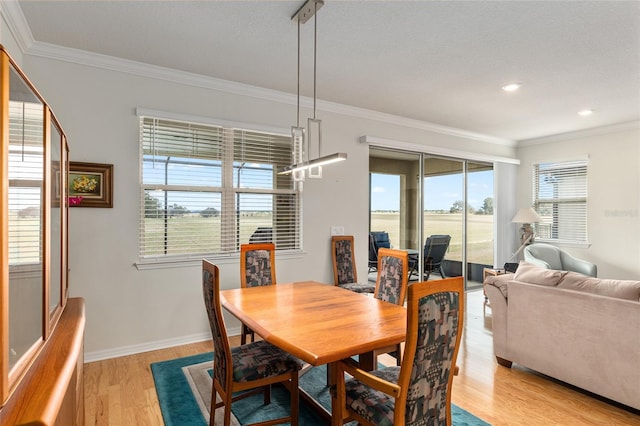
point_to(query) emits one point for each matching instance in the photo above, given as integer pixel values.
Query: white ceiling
(434, 61)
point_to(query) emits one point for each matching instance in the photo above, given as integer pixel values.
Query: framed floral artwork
(91, 183)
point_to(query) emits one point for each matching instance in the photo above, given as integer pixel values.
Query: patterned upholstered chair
(257, 267)
(253, 367)
(418, 392)
(391, 286)
(344, 265)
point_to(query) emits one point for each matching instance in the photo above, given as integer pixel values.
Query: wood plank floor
(120, 391)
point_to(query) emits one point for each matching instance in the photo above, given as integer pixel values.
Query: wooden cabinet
(34, 164)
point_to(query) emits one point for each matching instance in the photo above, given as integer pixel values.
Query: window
(207, 189)
(560, 198)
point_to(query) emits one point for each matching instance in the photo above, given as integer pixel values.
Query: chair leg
(212, 411)
(243, 335)
(227, 409)
(267, 394)
(398, 355)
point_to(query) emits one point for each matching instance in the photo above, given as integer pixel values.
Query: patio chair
(257, 267)
(435, 249)
(391, 286)
(252, 368)
(345, 274)
(377, 240)
(419, 391)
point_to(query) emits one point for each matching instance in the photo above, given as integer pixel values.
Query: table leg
(367, 361)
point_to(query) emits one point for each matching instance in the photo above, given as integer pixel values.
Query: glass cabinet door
(56, 220)
(26, 219)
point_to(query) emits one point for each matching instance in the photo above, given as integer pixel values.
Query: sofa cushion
(621, 289)
(530, 273)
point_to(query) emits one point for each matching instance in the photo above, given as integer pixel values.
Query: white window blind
(560, 198)
(26, 167)
(207, 189)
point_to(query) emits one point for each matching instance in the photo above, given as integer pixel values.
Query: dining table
(319, 323)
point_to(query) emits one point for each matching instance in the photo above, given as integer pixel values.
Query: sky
(441, 191)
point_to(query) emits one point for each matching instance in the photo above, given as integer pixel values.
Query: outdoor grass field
(479, 229)
(194, 233)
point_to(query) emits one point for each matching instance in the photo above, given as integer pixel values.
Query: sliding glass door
(439, 209)
(444, 201)
(479, 221)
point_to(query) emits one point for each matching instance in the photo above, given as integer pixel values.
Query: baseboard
(151, 346)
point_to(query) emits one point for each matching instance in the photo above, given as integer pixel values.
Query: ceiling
(441, 62)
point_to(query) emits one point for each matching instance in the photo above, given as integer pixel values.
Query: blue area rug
(184, 391)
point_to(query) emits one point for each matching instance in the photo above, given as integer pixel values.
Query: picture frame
(93, 182)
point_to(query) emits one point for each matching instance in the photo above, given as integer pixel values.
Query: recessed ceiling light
(511, 87)
(585, 112)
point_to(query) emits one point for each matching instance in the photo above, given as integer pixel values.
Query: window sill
(193, 261)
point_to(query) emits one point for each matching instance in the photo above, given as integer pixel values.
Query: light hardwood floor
(120, 391)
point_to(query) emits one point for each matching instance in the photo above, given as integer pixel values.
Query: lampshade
(526, 215)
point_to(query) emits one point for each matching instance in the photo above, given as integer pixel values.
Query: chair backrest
(373, 252)
(547, 253)
(393, 275)
(222, 369)
(262, 234)
(381, 238)
(344, 260)
(435, 317)
(257, 264)
(435, 249)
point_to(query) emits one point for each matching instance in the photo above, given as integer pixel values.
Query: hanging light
(302, 143)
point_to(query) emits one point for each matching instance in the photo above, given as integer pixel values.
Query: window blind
(560, 198)
(26, 166)
(207, 189)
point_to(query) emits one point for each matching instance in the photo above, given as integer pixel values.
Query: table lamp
(526, 217)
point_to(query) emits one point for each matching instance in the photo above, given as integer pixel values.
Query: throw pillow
(530, 273)
(621, 289)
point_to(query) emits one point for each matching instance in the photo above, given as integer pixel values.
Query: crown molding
(81, 57)
(17, 23)
(594, 131)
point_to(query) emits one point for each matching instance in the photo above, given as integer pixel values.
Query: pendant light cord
(315, 42)
(298, 109)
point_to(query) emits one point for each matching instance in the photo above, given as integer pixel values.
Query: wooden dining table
(318, 323)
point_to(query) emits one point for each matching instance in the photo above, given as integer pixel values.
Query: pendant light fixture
(304, 140)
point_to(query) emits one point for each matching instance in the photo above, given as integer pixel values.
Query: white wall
(613, 216)
(129, 310)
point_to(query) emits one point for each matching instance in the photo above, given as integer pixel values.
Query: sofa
(578, 329)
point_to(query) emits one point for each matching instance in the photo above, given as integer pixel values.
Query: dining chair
(419, 391)
(391, 286)
(253, 367)
(257, 267)
(344, 265)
